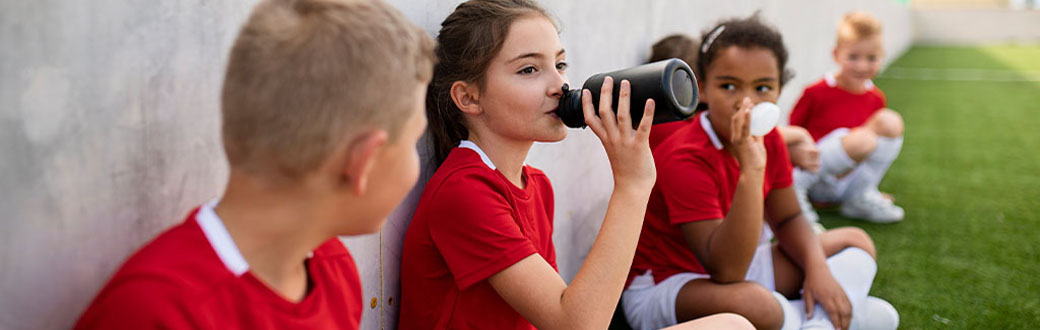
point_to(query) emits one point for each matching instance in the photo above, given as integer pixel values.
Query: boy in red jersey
(316, 148)
(857, 136)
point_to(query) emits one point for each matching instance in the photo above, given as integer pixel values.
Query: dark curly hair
(748, 32)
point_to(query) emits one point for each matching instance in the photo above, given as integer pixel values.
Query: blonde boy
(857, 135)
(322, 108)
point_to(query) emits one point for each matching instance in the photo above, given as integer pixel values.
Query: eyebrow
(767, 79)
(535, 55)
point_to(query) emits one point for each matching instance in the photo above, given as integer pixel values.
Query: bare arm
(725, 248)
(535, 290)
(802, 148)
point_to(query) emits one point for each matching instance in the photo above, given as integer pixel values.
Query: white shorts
(829, 188)
(652, 306)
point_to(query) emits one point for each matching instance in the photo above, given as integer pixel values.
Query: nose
(557, 80)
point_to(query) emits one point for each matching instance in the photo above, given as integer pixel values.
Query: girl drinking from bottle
(478, 253)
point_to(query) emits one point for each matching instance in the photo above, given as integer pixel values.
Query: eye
(853, 57)
(561, 66)
(872, 58)
(527, 70)
(728, 87)
(764, 88)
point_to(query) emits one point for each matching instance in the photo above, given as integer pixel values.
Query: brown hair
(745, 33)
(305, 74)
(858, 25)
(469, 39)
(678, 46)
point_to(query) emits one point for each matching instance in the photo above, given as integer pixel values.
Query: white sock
(792, 318)
(884, 155)
(874, 167)
(833, 158)
(854, 270)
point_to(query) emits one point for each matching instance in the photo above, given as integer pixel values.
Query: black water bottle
(670, 83)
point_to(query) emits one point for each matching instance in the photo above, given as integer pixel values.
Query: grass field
(967, 255)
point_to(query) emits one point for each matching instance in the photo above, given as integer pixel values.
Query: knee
(859, 143)
(732, 321)
(886, 123)
(858, 238)
(758, 305)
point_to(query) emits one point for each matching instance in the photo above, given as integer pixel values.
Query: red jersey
(471, 223)
(696, 181)
(663, 131)
(194, 277)
(825, 107)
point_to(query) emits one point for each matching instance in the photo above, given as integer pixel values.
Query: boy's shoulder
(822, 85)
(160, 281)
(180, 258)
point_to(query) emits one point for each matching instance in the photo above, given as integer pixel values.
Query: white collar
(220, 239)
(832, 81)
(706, 124)
(470, 145)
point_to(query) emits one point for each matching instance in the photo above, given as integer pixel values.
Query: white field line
(960, 74)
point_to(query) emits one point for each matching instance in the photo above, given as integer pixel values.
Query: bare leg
(717, 321)
(702, 297)
(789, 276)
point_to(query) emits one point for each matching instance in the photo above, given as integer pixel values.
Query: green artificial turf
(967, 255)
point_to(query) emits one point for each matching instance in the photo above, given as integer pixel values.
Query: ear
(466, 97)
(359, 155)
(834, 53)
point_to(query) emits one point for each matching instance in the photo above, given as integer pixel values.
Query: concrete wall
(962, 26)
(109, 129)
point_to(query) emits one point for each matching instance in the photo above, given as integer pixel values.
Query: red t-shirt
(471, 223)
(696, 180)
(825, 107)
(663, 131)
(193, 277)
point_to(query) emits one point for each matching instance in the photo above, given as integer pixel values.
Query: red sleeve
(474, 228)
(689, 188)
(800, 113)
(138, 304)
(778, 161)
(881, 95)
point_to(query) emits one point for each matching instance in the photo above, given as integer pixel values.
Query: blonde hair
(858, 25)
(304, 75)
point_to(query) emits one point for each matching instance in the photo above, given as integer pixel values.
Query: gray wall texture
(109, 129)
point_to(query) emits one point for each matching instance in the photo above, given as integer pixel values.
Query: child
(316, 148)
(478, 253)
(802, 148)
(858, 137)
(703, 247)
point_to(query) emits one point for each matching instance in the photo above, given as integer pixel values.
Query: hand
(820, 287)
(805, 156)
(628, 149)
(749, 150)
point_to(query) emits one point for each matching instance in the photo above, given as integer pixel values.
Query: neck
(850, 84)
(507, 155)
(271, 226)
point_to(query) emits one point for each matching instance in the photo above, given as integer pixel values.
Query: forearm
(589, 301)
(798, 241)
(733, 244)
(794, 135)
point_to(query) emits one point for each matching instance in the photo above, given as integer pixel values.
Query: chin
(557, 134)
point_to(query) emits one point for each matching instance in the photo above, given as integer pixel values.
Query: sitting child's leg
(850, 259)
(864, 201)
(703, 297)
